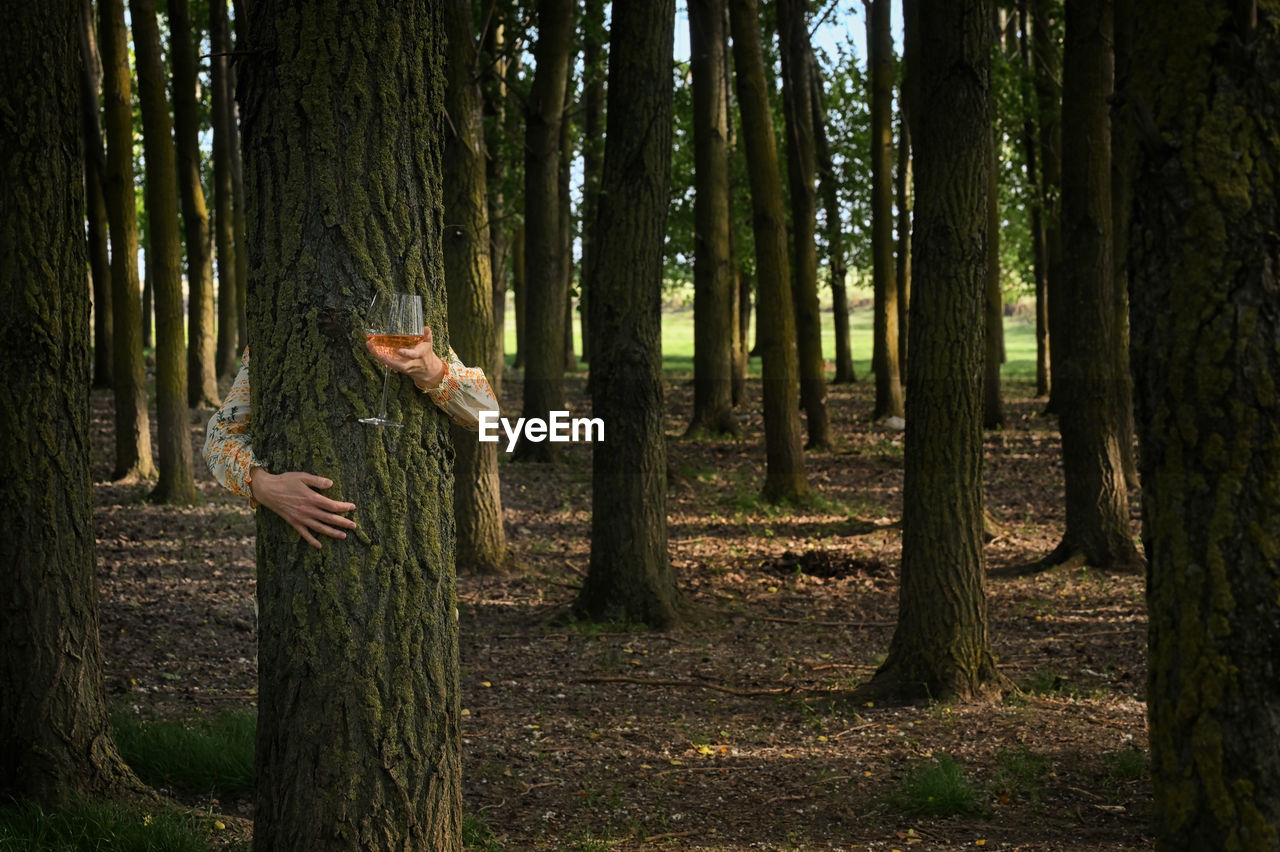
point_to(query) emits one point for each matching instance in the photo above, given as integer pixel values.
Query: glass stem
(386, 374)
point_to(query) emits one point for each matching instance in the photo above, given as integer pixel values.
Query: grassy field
(677, 342)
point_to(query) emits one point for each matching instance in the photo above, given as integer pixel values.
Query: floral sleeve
(463, 393)
(227, 450)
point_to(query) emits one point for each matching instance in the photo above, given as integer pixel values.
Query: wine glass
(394, 321)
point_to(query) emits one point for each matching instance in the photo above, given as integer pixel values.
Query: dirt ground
(732, 732)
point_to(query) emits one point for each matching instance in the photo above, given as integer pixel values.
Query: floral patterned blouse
(462, 394)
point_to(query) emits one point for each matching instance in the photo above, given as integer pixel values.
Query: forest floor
(732, 732)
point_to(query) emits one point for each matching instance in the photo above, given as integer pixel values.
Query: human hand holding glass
(392, 325)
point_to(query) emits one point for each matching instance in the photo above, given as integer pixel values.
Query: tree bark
(993, 307)
(518, 290)
(594, 70)
(132, 421)
(793, 43)
(494, 90)
(565, 196)
(940, 647)
(902, 267)
(1122, 145)
(713, 315)
(176, 484)
(202, 377)
(1048, 86)
(889, 397)
(224, 136)
(543, 345)
(95, 166)
(836, 258)
(1205, 273)
(1082, 308)
(55, 738)
(629, 577)
(477, 499)
(358, 740)
(775, 322)
(1035, 184)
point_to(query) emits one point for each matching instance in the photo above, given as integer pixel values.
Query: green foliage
(1125, 765)
(937, 790)
(1020, 773)
(476, 835)
(1017, 196)
(87, 826)
(849, 137)
(212, 755)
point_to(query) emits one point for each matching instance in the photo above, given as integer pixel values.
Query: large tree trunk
(775, 323)
(542, 346)
(224, 136)
(630, 577)
(1205, 273)
(836, 258)
(95, 166)
(889, 397)
(793, 41)
(1082, 308)
(202, 377)
(1035, 181)
(176, 484)
(358, 741)
(1047, 76)
(477, 500)
(55, 740)
(940, 647)
(594, 69)
(132, 422)
(713, 316)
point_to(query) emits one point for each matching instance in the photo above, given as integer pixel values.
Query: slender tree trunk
(566, 209)
(713, 316)
(358, 742)
(993, 307)
(775, 323)
(176, 484)
(202, 378)
(630, 576)
(95, 166)
(133, 430)
(836, 258)
(1205, 271)
(739, 281)
(224, 136)
(902, 259)
(239, 204)
(793, 39)
(889, 398)
(543, 345)
(1082, 308)
(1122, 145)
(55, 738)
(1048, 87)
(519, 289)
(148, 282)
(1039, 239)
(495, 114)
(940, 647)
(594, 69)
(477, 499)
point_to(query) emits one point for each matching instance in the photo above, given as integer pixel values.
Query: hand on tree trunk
(296, 497)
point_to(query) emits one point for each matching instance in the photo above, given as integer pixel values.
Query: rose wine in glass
(394, 322)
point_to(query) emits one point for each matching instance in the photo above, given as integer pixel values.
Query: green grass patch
(87, 826)
(213, 755)
(1125, 765)
(476, 835)
(1019, 773)
(937, 789)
